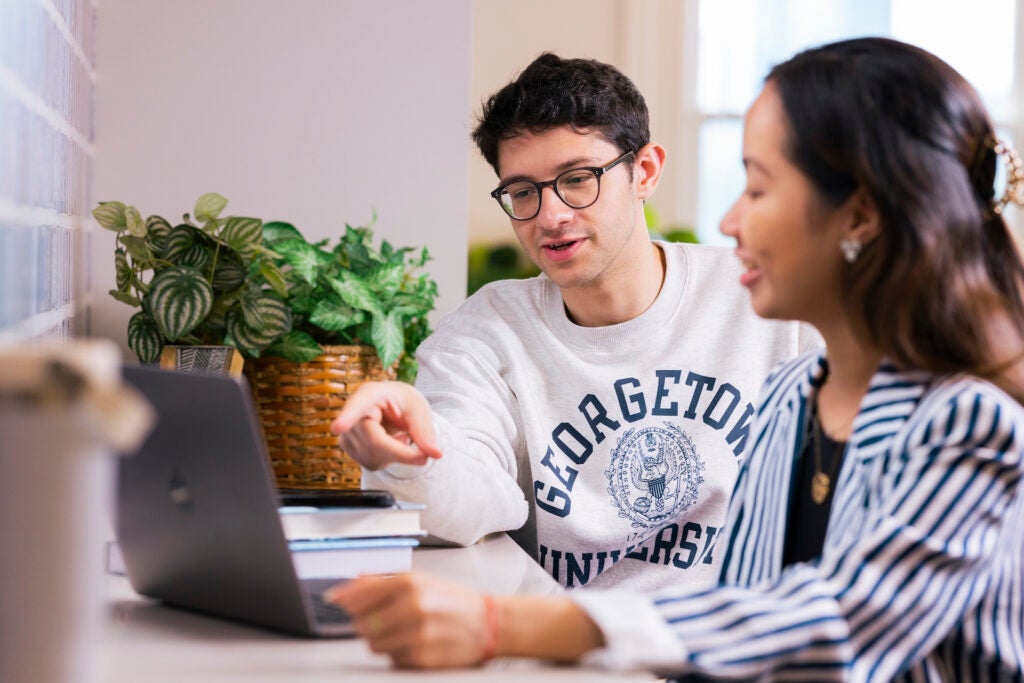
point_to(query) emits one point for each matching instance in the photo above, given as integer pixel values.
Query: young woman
(876, 531)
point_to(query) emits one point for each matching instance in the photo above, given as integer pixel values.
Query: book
(350, 557)
(312, 522)
(341, 558)
(390, 534)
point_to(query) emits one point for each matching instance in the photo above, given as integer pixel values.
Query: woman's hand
(424, 622)
(418, 620)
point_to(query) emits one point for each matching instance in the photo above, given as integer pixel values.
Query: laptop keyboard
(326, 613)
(323, 611)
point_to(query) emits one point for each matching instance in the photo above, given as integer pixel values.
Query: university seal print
(655, 474)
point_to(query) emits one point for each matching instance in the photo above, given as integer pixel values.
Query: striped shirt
(922, 573)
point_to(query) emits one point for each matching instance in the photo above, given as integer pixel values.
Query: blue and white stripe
(922, 573)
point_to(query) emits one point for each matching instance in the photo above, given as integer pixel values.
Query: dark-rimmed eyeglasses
(577, 187)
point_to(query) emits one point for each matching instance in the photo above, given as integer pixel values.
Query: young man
(597, 411)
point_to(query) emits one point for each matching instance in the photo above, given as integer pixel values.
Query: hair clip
(1014, 190)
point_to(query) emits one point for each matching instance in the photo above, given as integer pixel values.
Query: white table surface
(147, 642)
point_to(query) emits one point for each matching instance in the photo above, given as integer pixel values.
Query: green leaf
(398, 255)
(125, 298)
(133, 220)
(242, 234)
(199, 256)
(229, 274)
(250, 306)
(214, 327)
(353, 291)
(209, 206)
(411, 305)
(424, 289)
(406, 311)
(387, 337)
(296, 346)
(407, 368)
(179, 299)
(304, 289)
(159, 223)
(110, 215)
(179, 241)
(422, 260)
(222, 305)
(335, 316)
(144, 338)
(122, 271)
(276, 316)
(272, 274)
(137, 247)
(276, 231)
(354, 250)
(261, 250)
(157, 230)
(387, 279)
(139, 284)
(303, 304)
(304, 259)
(276, 322)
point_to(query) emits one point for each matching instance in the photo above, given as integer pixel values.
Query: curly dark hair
(582, 93)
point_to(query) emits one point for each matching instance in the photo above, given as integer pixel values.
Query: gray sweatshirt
(609, 452)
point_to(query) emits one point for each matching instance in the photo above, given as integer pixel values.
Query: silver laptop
(196, 517)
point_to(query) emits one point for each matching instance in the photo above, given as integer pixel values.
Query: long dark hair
(901, 123)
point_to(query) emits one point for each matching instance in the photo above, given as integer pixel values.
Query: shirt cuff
(636, 635)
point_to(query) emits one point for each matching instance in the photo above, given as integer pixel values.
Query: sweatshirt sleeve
(635, 635)
(472, 489)
(881, 600)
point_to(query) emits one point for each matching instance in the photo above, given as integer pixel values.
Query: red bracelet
(491, 615)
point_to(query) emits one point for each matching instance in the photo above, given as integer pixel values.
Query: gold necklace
(821, 482)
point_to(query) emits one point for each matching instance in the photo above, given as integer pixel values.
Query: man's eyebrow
(575, 162)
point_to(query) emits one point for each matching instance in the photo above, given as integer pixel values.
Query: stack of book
(347, 533)
(339, 533)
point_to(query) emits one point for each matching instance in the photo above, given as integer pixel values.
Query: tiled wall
(47, 80)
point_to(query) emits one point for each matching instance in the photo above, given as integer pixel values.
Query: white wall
(315, 112)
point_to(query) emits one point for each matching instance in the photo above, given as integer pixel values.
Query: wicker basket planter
(296, 404)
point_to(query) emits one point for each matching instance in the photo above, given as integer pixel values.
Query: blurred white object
(63, 412)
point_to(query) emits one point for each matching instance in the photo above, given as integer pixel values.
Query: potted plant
(265, 289)
(358, 313)
(313, 320)
(207, 281)
(352, 293)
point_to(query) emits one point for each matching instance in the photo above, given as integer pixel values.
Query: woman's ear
(650, 159)
(865, 222)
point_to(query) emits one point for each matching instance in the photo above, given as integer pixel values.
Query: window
(46, 89)
(739, 40)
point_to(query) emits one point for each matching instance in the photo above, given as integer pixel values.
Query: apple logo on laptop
(180, 495)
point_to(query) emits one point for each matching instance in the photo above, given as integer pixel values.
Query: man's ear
(650, 160)
(865, 221)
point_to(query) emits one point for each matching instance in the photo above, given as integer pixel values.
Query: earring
(850, 246)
